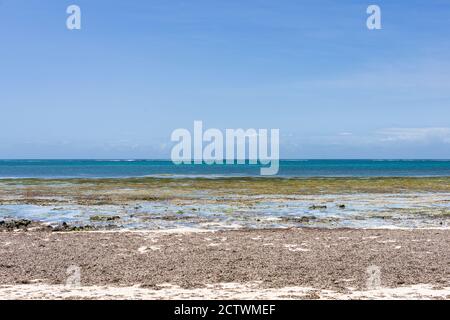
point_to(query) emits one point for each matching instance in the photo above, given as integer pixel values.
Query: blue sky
(137, 70)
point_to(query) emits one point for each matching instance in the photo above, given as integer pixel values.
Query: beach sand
(295, 263)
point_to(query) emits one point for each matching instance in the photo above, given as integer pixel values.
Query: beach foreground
(294, 263)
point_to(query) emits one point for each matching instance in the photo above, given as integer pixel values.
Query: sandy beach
(260, 264)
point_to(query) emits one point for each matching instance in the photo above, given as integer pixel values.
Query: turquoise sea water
(288, 168)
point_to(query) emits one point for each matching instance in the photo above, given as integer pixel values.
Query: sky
(137, 70)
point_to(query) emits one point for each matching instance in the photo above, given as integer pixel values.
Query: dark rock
(62, 227)
(14, 224)
(65, 227)
(303, 219)
(317, 207)
(104, 218)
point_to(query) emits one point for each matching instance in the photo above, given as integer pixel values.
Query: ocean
(288, 168)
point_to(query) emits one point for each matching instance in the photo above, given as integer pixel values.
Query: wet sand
(277, 263)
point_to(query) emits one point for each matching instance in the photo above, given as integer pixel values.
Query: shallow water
(418, 210)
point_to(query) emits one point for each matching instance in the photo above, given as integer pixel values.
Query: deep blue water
(288, 168)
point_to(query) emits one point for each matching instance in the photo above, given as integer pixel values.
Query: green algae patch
(149, 189)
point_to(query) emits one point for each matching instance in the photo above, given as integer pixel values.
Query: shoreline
(297, 263)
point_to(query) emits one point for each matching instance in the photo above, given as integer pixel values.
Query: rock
(62, 227)
(15, 224)
(302, 219)
(28, 225)
(65, 227)
(83, 228)
(104, 218)
(317, 207)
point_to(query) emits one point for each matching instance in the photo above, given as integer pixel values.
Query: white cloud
(387, 137)
(415, 135)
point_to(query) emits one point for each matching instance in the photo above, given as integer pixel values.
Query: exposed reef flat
(229, 203)
(117, 191)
